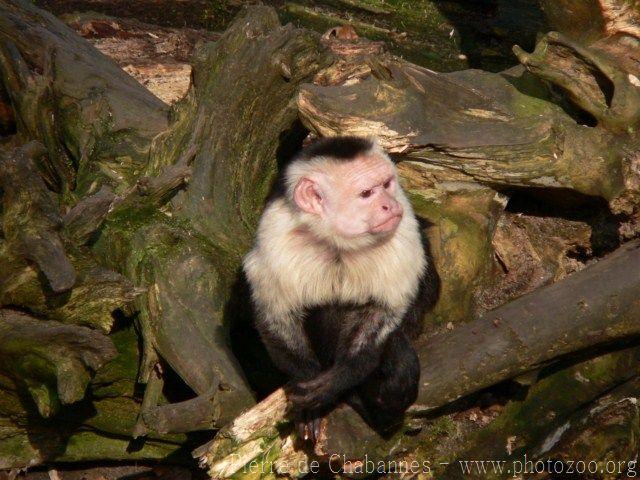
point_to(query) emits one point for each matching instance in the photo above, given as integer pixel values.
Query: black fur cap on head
(340, 148)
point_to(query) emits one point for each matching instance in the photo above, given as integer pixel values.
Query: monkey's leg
(385, 395)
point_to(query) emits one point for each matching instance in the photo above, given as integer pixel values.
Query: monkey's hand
(314, 394)
(309, 400)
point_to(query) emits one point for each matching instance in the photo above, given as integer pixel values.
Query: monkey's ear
(307, 196)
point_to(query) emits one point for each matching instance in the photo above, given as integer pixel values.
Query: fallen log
(501, 130)
(593, 307)
(601, 439)
(94, 428)
(562, 393)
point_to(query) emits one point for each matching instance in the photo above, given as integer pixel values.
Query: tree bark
(53, 376)
(81, 106)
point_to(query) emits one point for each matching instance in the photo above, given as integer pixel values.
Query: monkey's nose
(394, 208)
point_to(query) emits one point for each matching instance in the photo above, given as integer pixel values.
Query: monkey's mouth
(388, 225)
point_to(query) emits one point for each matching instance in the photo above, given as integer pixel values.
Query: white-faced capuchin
(340, 275)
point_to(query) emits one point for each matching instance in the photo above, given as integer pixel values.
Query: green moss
(118, 376)
(460, 239)
(416, 31)
(444, 36)
(549, 403)
(442, 426)
(15, 448)
(86, 446)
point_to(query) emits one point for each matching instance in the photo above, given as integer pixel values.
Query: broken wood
(86, 217)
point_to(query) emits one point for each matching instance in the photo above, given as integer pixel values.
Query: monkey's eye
(387, 184)
(366, 193)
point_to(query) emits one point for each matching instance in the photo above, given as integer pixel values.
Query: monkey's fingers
(295, 390)
(312, 429)
(316, 428)
(297, 395)
(304, 427)
(302, 430)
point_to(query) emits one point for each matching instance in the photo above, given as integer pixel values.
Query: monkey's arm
(288, 347)
(359, 349)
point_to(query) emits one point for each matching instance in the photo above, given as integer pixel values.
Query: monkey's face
(355, 198)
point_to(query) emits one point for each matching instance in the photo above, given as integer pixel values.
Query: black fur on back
(340, 148)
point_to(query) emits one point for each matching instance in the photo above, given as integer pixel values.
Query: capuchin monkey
(339, 276)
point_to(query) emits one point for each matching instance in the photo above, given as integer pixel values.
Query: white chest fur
(289, 273)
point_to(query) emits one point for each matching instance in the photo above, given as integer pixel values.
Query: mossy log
(528, 426)
(54, 362)
(98, 424)
(601, 439)
(585, 414)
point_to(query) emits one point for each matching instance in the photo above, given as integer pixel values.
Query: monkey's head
(346, 191)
